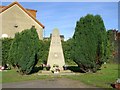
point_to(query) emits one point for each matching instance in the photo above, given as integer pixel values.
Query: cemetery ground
(102, 78)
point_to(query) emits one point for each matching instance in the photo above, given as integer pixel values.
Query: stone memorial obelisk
(56, 52)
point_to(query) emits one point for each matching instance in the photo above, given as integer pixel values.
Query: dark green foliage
(67, 49)
(0, 52)
(24, 50)
(6, 43)
(89, 44)
(43, 51)
(112, 45)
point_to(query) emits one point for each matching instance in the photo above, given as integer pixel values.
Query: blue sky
(63, 15)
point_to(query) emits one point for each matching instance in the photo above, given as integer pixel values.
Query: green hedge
(67, 50)
(112, 46)
(43, 51)
(6, 44)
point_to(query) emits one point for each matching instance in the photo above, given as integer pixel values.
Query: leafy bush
(24, 50)
(89, 46)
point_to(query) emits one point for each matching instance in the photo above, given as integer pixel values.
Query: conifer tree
(89, 47)
(24, 50)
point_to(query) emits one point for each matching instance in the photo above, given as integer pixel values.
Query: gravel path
(47, 83)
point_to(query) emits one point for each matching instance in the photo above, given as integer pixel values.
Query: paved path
(48, 83)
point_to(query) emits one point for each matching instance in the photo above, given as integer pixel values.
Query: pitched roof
(6, 7)
(2, 7)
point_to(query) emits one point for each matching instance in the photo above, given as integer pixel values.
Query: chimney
(33, 12)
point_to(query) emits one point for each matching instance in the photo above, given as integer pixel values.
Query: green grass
(101, 78)
(13, 76)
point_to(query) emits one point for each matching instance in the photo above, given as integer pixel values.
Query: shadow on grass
(74, 69)
(36, 69)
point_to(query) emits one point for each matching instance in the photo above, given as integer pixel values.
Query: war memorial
(87, 58)
(56, 56)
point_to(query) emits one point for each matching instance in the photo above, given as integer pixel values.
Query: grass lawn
(102, 78)
(13, 76)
